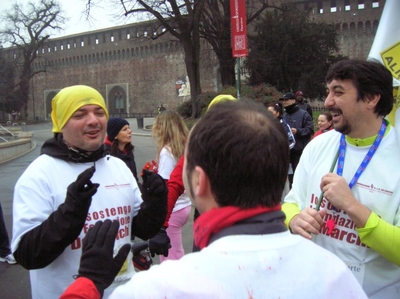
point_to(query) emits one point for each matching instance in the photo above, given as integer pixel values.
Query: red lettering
(341, 221)
(86, 227)
(123, 232)
(343, 233)
(327, 217)
(351, 238)
(323, 203)
(125, 220)
(76, 244)
(108, 213)
(335, 233)
(324, 230)
(124, 210)
(314, 199)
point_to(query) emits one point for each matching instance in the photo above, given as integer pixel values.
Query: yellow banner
(386, 48)
(391, 59)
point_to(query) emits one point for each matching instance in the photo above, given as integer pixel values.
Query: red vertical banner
(239, 28)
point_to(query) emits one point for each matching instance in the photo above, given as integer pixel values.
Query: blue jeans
(4, 240)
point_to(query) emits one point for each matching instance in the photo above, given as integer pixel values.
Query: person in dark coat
(302, 103)
(302, 128)
(119, 142)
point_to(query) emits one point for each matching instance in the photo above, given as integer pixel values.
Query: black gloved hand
(153, 186)
(97, 262)
(153, 210)
(160, 243)
(83, 188)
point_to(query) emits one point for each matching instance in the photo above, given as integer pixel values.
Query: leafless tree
(189, 21)
(181, 19)
(27, 28)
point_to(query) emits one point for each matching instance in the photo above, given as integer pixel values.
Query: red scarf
(214, 220)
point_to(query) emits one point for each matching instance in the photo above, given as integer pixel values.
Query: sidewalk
(5, 156)
(141, 132)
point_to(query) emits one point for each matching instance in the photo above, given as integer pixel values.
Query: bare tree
(27, 29)
(180, 18)
(190, 20)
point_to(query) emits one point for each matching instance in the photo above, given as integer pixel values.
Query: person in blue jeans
(5, 251)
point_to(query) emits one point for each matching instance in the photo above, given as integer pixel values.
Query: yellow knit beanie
(70, 99)
(221, 98)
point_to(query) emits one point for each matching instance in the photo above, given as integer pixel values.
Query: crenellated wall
(135, 73)
(356, 22)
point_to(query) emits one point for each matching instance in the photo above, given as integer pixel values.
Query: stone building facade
(132, 72)
(135, 73)
(356, 22)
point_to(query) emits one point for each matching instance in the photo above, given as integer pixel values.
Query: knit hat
(221, 98)
(70, 99)
(115, 125)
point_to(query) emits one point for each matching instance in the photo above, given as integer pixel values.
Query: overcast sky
(103, 16)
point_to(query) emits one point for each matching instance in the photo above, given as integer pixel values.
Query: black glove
(83, 189)
(160, 243)
(153, 210)
(153, 186)
(97, 262)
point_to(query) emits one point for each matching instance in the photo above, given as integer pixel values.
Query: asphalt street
(14, 279)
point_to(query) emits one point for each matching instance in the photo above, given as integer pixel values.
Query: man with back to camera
(302, 128)
(246, 251)
(360, 216)
(69, 187)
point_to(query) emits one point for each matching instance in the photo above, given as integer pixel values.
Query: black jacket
(302, 121)
(305, 106)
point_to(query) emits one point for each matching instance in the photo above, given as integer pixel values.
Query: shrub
(202, 101)
(262, 93)
(185, 109)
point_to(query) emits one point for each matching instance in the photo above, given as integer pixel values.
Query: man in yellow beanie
(71, 185)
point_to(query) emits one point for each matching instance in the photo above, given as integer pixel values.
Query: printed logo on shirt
(371, 188)
(118, 186)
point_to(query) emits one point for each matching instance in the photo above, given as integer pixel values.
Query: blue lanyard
(367, 158)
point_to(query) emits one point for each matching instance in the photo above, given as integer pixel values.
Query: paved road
(14, 279)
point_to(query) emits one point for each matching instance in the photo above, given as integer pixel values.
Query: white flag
(386, 49)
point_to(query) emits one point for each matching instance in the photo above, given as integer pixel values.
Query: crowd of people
(281, 210)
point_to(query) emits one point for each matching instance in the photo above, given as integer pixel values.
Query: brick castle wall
(136, 74)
